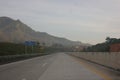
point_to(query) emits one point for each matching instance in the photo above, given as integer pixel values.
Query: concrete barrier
(108, 59)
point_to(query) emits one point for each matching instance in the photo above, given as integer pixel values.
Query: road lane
(107, 73)
(66, 68)
(30, 69)
(51, 67)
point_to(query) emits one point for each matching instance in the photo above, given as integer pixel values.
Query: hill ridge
(16, 31)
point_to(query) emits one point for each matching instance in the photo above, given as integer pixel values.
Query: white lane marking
(44, 64)
(24, 79)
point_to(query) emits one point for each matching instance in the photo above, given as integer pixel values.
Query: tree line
(102, 47)
(7, 48)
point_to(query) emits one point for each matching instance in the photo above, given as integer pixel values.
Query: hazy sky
(89, 21)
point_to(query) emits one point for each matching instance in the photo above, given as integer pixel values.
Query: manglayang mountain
(17, 32)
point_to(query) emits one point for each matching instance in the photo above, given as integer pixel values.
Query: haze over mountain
(16, 31)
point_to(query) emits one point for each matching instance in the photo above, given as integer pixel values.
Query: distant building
(79, 48)
(115, 47)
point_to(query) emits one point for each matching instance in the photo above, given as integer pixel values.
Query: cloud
(81, 17)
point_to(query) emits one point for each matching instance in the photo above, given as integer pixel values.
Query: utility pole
(25, 49)
(32, 48)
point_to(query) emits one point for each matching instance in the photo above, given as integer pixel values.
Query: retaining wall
(111, 60)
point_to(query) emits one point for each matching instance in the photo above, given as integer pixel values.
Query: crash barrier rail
(108, 59)
(13, 58)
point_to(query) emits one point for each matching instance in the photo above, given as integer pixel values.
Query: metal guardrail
(108, 59)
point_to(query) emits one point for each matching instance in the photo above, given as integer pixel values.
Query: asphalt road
(51, 67)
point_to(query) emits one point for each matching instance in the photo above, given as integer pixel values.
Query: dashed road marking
(24, 79)
(44, 64)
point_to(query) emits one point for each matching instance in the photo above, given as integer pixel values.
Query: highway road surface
(57, 66)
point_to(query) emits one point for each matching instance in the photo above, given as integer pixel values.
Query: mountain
(16, 31)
